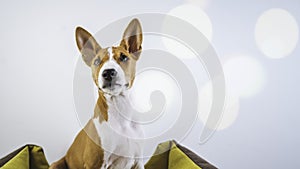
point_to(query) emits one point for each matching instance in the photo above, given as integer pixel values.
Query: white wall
(38, 55)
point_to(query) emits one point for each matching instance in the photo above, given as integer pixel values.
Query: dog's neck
(112, 106)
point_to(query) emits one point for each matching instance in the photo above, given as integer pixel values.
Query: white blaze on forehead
(112, 64)
(110, 53)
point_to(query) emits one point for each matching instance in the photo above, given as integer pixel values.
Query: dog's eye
(123, 58)
(97, 62)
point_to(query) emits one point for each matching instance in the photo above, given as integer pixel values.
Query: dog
(105, 142)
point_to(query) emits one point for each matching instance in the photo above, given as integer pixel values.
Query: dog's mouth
(112, 87)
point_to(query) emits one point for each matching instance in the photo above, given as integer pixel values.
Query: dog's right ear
(87, 45)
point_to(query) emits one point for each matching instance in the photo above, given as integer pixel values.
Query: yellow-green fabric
(170, 155)
(160, 159)
(177, 159)
(20, 161)
(27, 157)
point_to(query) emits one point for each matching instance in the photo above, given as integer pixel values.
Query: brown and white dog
(105, 142)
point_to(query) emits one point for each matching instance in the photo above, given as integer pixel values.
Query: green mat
(171, 155)
(26, 157)
(168, 155)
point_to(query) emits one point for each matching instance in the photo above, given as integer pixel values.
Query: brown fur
(86, 151)
(101, 108)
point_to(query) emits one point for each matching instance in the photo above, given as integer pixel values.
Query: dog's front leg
(138, 165)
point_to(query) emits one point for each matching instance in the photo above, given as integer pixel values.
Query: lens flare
(244, 75)
(196, 17)
(276, 33)
(146, 83)
(201, 3)
(230, 112)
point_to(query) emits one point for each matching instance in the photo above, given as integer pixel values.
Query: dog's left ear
(132, 38)
(87, 45)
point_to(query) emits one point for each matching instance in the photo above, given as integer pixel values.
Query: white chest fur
(119, 134)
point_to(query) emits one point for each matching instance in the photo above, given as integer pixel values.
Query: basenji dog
(106, 140)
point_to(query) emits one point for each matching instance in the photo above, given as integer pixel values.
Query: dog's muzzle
(109, 78)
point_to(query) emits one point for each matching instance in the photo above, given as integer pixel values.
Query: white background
(38, 56)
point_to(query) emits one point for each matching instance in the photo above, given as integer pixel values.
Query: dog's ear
(132, 38)
(87, 45)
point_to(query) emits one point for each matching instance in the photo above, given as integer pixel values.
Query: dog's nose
(109, 74)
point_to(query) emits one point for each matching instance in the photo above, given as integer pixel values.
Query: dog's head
(113, 68)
